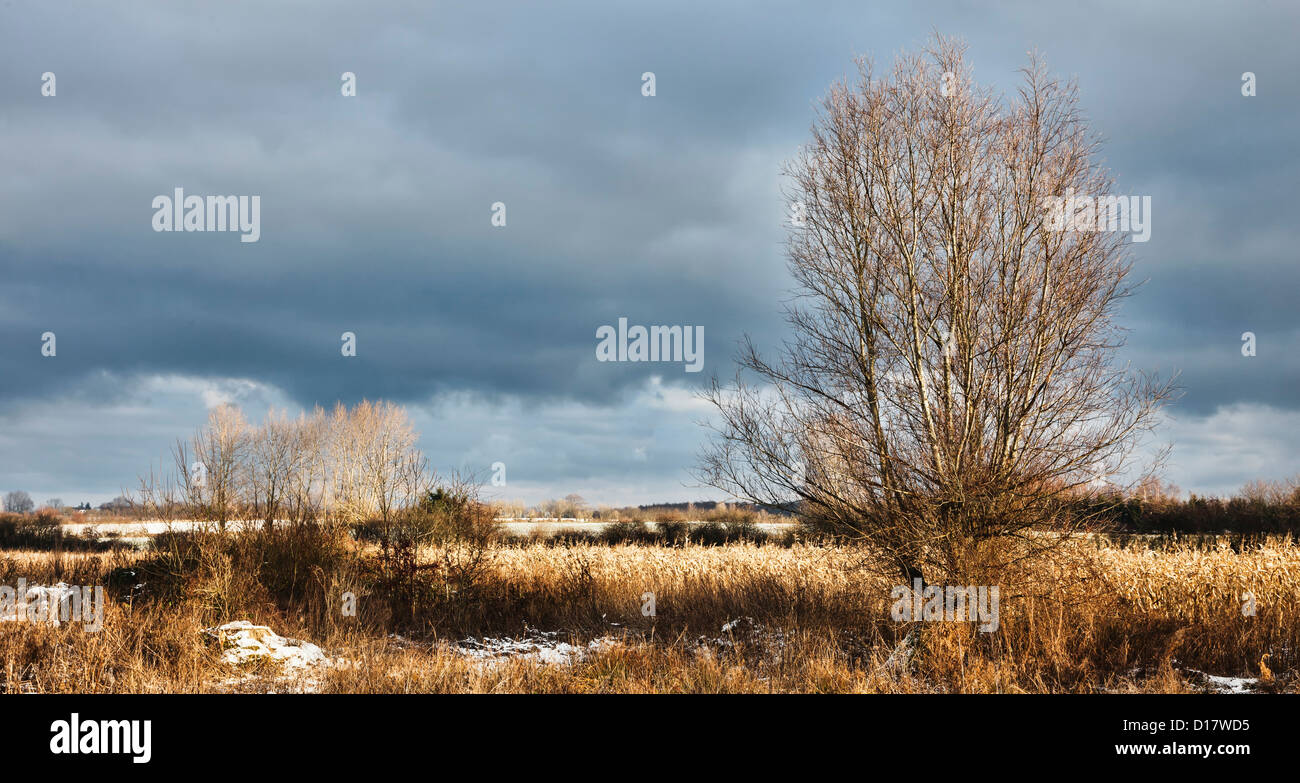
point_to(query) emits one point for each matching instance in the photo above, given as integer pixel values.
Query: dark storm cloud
(375, 210)
(376, 218)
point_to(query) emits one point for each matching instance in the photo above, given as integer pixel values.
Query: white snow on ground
(245, 645)
(1206, 683)
(1227, 684)
(1232, 684)
(550, 647)
(39, 595)
(540, 646)
(151, 527)
(732, 625)
(744, 630)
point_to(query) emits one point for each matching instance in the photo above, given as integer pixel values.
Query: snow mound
(243, 644)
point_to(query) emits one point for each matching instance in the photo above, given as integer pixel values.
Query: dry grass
(1099, 618)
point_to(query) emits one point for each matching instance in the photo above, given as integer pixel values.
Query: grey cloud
(663, 210)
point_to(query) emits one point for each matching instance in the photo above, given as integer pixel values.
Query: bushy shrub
(628, 532)
(674, 533)
(289, 566)
(442, 515)
(42, 531)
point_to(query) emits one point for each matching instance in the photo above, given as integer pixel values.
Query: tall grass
(817, 617)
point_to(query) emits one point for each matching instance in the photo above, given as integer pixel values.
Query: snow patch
(1219, 684)
(747, 631)
(541, 646)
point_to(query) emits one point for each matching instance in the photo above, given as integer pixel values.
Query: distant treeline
(712, 505)
(1259, 512)
(1210, 515)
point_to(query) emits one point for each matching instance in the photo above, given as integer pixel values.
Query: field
(532, 614)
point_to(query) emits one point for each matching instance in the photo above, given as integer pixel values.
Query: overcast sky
(376, 217)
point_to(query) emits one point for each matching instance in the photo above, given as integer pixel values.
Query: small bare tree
(274, 456)
(352, 465)
(374, 464)
(396, 472)
(346, 440)
(951, 377)
(18, 502)
(307, 492)
(158, 499)
(213, 468)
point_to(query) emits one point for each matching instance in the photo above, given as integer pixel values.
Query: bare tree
(274, 456)
(576, 506)
(1263, 491)
(18, 502)
(395, 470)
(374, 465)
(347, 487)
(352, 465)
(213, 469)
(158, 498)
(952, 372)
(307, 490)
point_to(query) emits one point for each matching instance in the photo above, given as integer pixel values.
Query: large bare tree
(952, 372)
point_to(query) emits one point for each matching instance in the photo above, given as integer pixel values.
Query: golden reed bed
(801, 618)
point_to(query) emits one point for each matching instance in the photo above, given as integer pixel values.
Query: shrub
(675, 533)
(43, 532)
(628, 532)
(293, 567)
